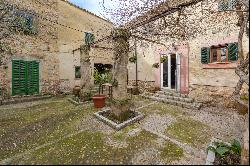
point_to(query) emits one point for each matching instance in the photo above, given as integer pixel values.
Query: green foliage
(244, 97)
(189, 131)
(156, 65)
(25, 22)
(87, 96)
(235, 147)
(171, 152)
(222, 149)
(132, 59)
(101, 78)
(164, 59)
(89, 38)
(120, 32)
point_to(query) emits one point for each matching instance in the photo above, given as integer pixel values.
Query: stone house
(42, 58)
(33, 65)
(70, 40)
(202, 66)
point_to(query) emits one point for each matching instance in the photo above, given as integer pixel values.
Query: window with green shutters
(222, 53)
(233, 51)
(89, 38)
(205, 54)
(25, 77)
(226, 5)
(26, 22)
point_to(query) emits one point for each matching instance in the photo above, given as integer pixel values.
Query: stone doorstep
(15, 100)
(210, 154)
(176, 94)
(177, 103)
(173, 94)
(115, 125)
(187, 100)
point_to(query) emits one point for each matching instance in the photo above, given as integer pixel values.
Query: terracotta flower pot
(99, 101)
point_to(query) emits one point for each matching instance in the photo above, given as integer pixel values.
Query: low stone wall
(143, 85)
(21, 99)
(213, 96)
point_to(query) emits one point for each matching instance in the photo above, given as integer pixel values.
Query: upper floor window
(25, 22)
(219, 53)
(77, 72)
(226, 5)
(89, 38)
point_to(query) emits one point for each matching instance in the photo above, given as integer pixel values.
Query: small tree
(101, 78)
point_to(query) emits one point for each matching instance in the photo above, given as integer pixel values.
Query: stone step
(177, 103)
(174, 102)
(179, 98)
(171, 93)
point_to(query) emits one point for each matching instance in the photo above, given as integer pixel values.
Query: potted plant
(100, 78)
(164, 59)
(156, 65)
(225, 153)
(132, 59)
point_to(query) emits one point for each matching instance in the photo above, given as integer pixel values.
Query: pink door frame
(183, 50)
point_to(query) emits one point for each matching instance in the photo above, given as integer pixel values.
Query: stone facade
(41, 46)
(210, 84)
(60, 33)
(70, 41)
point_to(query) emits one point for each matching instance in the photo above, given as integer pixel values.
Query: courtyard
(54, 131)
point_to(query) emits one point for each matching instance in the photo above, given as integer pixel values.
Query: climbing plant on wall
(164, 59)
(133, 59)
(25, 22)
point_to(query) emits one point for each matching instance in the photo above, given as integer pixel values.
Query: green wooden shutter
(18, 77)
(205, 55)
(25, 77)
(223, 5)
(33, 77)
(231, 4)
(89, 38)
(233, 51)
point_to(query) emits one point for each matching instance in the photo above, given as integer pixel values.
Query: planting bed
(105, 116)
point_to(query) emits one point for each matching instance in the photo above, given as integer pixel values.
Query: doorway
(173, 71)
(169, 72)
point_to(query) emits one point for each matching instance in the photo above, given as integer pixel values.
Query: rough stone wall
(209, 86)
(144, 86)
(147, 55)
(69, 41)
(41, 46)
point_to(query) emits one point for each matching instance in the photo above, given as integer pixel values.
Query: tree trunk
(240, 71)
(121, 48)
(85, 68)
(245, 142)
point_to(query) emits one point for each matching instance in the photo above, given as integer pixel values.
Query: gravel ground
(225, 124)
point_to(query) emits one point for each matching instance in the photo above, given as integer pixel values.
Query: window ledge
(225, 65)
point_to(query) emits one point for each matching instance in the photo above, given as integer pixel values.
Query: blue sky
(93, 6)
